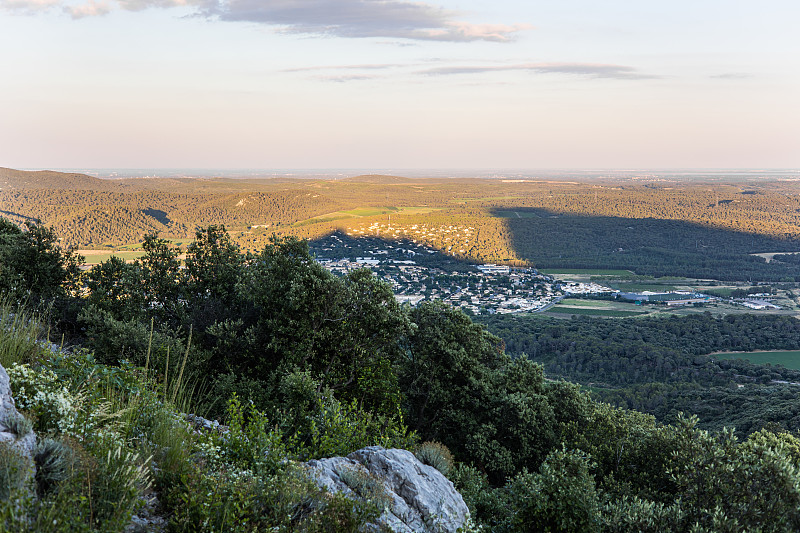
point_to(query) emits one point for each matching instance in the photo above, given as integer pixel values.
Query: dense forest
(663, 365)
(659, 228)
(301, 364)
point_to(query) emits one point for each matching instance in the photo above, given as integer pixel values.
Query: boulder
(8, 414)
(418, 497)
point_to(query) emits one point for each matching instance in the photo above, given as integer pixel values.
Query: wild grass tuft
(54, 464)
(364, 484)
(436, 455)
(14, 470)
(17, 424)
(19, 332)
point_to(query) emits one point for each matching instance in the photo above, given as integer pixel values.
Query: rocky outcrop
(418, 497)
(13, 429)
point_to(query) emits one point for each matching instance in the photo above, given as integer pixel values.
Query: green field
(789, 359)
(584, 303)
(96, 258)
(368, 212)
(586, 272)
(612, 313)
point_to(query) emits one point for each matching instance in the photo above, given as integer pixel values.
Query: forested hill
(689, 229)
(47, 179)
(663, 365)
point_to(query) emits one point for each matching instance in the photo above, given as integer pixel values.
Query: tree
(32, 265)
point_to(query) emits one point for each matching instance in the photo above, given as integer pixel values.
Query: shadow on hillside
(338, 244)
(157, 214)
(647, 246)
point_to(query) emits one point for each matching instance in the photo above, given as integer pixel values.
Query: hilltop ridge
(50, 179)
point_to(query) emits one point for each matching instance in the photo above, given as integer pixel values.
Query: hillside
(665, 228)
(47, 179)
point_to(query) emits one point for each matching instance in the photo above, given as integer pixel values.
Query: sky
(500, 84)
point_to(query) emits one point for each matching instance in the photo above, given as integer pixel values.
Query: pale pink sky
(362, 83)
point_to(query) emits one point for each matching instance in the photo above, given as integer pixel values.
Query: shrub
(41, 393)
(337, 429)
(436, 455)
(54, 464)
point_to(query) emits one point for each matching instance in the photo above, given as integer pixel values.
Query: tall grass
(19, 332)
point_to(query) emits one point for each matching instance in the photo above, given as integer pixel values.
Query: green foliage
(560, 497)
(40, 393)
(754, 486)
(338, 428)
(32, 266)
(15, 469)
(55, 462)
(437, 455)
(251, 442)
(19, 331)
(629, 515)
(344, 331)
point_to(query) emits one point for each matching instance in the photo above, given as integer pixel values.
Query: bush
(55, 462)
(40, 393)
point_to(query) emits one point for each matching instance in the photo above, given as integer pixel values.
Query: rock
(420, 498)
(8, 415)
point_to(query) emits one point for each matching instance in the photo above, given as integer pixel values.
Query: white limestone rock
(8, 411)
(420, 498)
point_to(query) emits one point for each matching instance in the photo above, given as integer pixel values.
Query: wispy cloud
(89, 9)
(590, 70)
(346, 77)
(362, 18)
(732, 76)
(396, 19)
(28, 6)
(373, 66)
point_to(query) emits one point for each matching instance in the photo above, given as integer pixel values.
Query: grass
(369, 211)
(789, 359)
(586, 271)
(95, 257)
(19, 331)
(584, 303)
(611, 313)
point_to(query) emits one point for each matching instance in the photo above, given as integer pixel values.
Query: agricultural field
(94, 257)
(788, 359)
(584, 272)
(587, 311)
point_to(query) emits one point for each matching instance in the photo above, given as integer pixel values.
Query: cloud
(396, 19)
(362, 18)
(732, 76)
(345, 78)
(90, 9)
(28, 6)
(590, 70)
(376, 66)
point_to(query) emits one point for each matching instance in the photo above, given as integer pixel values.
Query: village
(418, 273)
